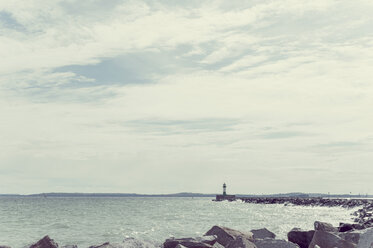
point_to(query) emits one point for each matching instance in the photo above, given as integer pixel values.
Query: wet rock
(45, 242)
(329, 240)
(323, 226)
(104, 245)
(262, 233)
(362, 238)
(274, 243)
(241, 243)
(200, 242)
(180, 246)
(225, 235)
(344, 227)
(217, 245)
(301, 237)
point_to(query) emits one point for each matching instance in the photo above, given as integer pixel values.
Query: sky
(181, 96)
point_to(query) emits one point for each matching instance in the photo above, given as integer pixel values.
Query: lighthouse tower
(224, 196)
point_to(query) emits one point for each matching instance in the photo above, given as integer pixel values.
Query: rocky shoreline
(358, 234)
(363, 216)
(324, 235)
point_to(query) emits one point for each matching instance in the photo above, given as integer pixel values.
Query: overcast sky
(172, 96)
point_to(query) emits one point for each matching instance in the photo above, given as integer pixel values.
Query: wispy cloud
(143, 86)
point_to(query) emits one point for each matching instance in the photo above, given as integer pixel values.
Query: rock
(323, 226)
(70, 246)
(217, 245)
(366, 238)
(200, 242)
(4, 246)
(207, 239)
(45, 242)
(329, 240)
(241, 243)
(104, 245)
(263, 233)
(274, 243)
(300, 237)
(225, 235)
(344, 227)
(362, 238)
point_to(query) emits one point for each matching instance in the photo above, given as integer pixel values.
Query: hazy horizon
(142, 96)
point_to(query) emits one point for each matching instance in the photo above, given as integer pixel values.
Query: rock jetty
(324, 235)
(310, 201)
(364, 215)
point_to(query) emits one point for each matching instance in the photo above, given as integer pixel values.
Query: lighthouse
(224, 196)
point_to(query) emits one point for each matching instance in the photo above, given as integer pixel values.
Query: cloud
(228, 89)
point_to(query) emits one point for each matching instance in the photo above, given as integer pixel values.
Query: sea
(86, 221)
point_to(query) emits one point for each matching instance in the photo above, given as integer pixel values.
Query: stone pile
(311, 201)
(324, 235)
(364, 215)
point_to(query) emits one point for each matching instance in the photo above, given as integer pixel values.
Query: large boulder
(362, 238)
(300, 237)
(262, 233)
(323, 226)
(226, 235)
(329, 240)
(199, 242)
(45, 242)
(241, 243)
(274, 243)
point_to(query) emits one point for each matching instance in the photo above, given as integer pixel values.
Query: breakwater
(311, 201)
(363, 216)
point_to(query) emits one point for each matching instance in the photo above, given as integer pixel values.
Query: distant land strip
(184, 194)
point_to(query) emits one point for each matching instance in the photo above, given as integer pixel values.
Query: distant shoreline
(186, 194)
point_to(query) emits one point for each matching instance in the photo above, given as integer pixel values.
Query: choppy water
(88, 221)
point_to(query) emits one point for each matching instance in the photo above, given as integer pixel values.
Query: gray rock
(274, 243)
(362, 238)
(104, 245)
(323, 226)
(45, 242)
(217, 245)
(4, 246)
(366, 239)
(207, 239)
(225, 235)
(344, 227)
(241, 243)
(300, 237)
(70, 246)
(329, 240)
(190, 242)
(263, 233)
(180, 246)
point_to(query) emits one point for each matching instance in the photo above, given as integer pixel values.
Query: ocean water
(94, 220)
